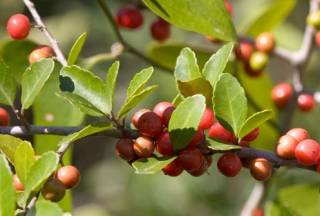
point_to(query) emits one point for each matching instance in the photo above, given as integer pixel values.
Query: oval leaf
(151, 165)
(111, 83)
(47, 208)
(8, 146)
(219, 146)
(7, 191)
(76, 49)
(8, 84)
(139, 80)
(186, 67)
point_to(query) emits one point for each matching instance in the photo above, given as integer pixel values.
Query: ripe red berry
(252, 135)
(307, 152)
(281, 94)
(17, 183)
(218, 132)
(191, 159)
(258, 61)
(244, 50)
(18, 26)
(207, 119)
(228, 6)
(306, 102)
(260, 169)
(150, 124)
(317, 39)
(54, 190)
(69, 176)
(164, 110)
(4, 117)
(40, 52)
(197, 139)
(143, 147)
(160, 30)
(129, 18)
(124, 149)
(164, 145)
(286, 146)
(229, 164)
(299, 134)
(199, 172)
(173, 169)
(137, 115)
(265, 42)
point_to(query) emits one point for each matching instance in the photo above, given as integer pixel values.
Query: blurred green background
(109, 186)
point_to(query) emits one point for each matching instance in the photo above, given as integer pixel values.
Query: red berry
(69, 176)
(287, 146)
(150, 124)
(173, 169)
(307, 152)
(260, 169)
(18, 26)
(40, 52)
(53, 190)
(228, 6)
(317, 39)
(17, 183)
(252, 135)
(137, 115)
(164, 145)
(265, 42)
(218, 132)
(229, 164)
(199, 172)
(191, 159)
(160, 30)
(4, 117)
(299, 134)
(129, 18)
(143, 147)
(281, 94)
(244, 50)
(197, 139)
(207, 119)
(164, 110)
(124, 149)
(258, 212)
(306, 102)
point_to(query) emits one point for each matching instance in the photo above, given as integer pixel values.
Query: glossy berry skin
(244, 50)
(286, 146)
(150, 124)
(313, 19)
(54, 190)
(307, 152)
(260, 169)
(164, 145)
(191, 159)
(265, 42)
(306, 102)
(160, 30)
(69, 176)
(258, 61)
(136, 116)
(143, 147)
(252, 135)
(229, 164)
(317, 39)
(130, 18)
(207, 119)
(281, 94)
(299, 134)
(4, 117)
(197, 139)
(173, 169)
(40, 52)
(218, 132)
(229, 7)
(164, 110)
(18, 26)
(17, 183)
(124, 149)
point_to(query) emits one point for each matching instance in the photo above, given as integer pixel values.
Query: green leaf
(8, 146)
(76, 49)
(187, 67)
(135, 100)
(47, 208)
(7, 191)
(24, 158)
(217, 63)
(8, 84)
(41, 170)
(196, 86)
(270, 17)
(219, 146)
(111, 83)
(138, 82)
(151, 165)
(209, 18)
(230, 103)
(274, 209)
(254, 121)
(177, 99)
(34, 79)
(185, 120)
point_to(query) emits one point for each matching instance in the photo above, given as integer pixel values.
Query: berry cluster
(54, 189)
(132, 18)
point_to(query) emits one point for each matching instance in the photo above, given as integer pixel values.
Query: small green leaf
(8, 84)
(177, 99)
(218, 146)
(111, 83)
(47, 208)
(8, 146)
(254, 121)
(185, 120)
(151, 165)
(217, 63)
(186, 66)
(33, 80)
(24, 158)
(76, 49)
(7, 191)
(230, 103)
(138, 82)
(135, 100)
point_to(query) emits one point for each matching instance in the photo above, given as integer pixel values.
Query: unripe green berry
(259, 61)
(313, 19)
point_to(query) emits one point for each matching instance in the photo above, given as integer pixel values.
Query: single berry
(313, 19)
(260, 169)
(265, 42)
(17, 183)
(250, 71)
(199, 172)
(18, 26)
(307, 152)
(4, 117)
(218, 132)
(150, 124)
(143, 147)
(299, 134)
(228, 6)
(164, 145)
(191, 159)
(258, 61)
(54, 190)
(306, 102)
(129, 18)
(164, 110)
(124, 149)
(69, 176)
(160, 30)
(207, 119)
(281, 94)
(173, 169)
(317, 39)
(286, 146)
(137, 115)
(244, 50)
(229, 164)
(40, 52)
(197, 139)
(252, 135)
